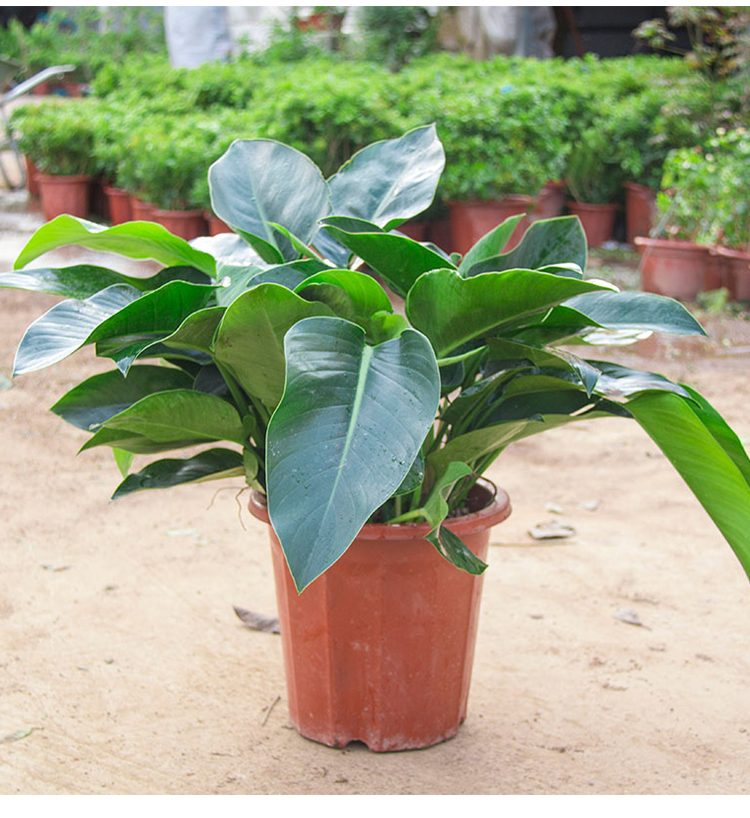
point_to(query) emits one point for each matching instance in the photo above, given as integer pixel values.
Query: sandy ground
(123, 668)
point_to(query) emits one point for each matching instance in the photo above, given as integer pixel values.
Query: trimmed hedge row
(508, 124)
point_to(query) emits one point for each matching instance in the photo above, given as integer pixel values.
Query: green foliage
(705, 191)
(338, 407)
(59, 137)
(395, 35)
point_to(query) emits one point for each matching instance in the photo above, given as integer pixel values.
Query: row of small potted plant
(518, 135)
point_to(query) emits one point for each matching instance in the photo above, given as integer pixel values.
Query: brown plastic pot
(215, 224)
(379, 648)
(142, 211)
(120, 210)
(598, 220)
(678, 269)
(32, 171)
(414, 229)
(187, 224)
(550, 202)
(64, 194)
(472, 220)
(640, 211)
(734, 266)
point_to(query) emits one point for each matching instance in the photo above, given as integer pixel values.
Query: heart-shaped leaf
(344, 436)
(137, 240)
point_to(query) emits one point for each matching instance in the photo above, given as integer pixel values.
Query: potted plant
(594, 179)
(59, 139)
(728, 158)
(676, 261)
(363, 431)
(165, 162)
(502, 145)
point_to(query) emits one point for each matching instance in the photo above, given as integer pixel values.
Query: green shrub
(58, 135)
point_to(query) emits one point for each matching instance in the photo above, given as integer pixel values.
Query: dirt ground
(123, 668)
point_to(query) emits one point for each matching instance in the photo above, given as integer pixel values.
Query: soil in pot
(678, 269)
(734, 272)
(470, 221)
(120, 210)
(598, 221)
(640, 211)
(64, 194)
(365, 643)
(187, 224)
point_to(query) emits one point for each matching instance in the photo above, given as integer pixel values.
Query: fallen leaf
(553, 508)
(589, 505)
(5, 382)
(56, 568)
(630, 617)
(552, 530)
(183, 532)
(258, 622)
(18, 735)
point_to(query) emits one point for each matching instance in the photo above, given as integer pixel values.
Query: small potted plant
(594, 179)
(676, 260)
(728, 154)
(59, 139)
(502, 145)
(363, 431)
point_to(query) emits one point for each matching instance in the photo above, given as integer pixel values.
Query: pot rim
(60, 179)
(731, 252)
(497, 511)
(602, 206)
(179, 214)
(670, 244)
(513, 198)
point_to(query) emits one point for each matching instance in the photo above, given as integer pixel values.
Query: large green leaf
(80, 281)
(235, 280)
(390, 181)
(100, 397)
(700, 457)
(546, 242)
(250, 338)
(490, 245)
(344, 436)
(351, 295)
(213, 464)
(249, 193)
(137, 240)
(67, 326)
(135, 443)
(451, 310)
(398, 259)
(177, 415)
(146, 322)
(635, 310)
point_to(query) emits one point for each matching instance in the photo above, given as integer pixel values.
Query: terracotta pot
(120, 210)
(142, 211)
(64, 194)
(215, 224)
(640, 211)
(187, 224)
(416, 230)
(734, 266)
(472, 220)
(598, 220)
(439, 233)
(32, 171)
(678, 269)
(550, 202)
(379, 648)
(42, 89)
